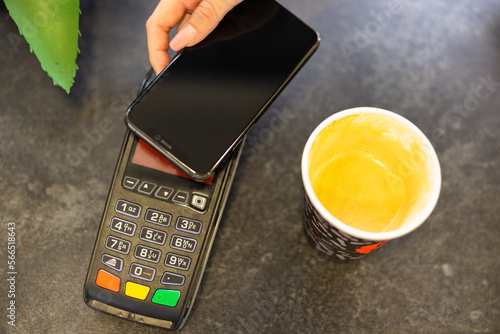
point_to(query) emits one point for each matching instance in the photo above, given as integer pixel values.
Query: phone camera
(157, 137)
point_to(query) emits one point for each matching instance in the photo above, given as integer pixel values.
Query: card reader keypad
(163, 241)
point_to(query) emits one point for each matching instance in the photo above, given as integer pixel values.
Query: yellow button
(135, 290)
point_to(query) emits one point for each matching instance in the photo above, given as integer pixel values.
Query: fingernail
(183, 37)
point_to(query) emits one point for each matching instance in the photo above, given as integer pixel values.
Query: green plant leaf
(51, 29)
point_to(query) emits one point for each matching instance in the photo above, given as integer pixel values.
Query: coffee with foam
(370, 171)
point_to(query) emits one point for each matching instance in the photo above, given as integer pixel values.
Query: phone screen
(146, 156)
(211, 94)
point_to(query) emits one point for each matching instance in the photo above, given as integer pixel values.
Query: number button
(183, 243)
(129, 209)
(177, 261)
(188, 225)
(122, 226)
(147, 253)
(158, 217)
(152, 235)
(142, 272)
(118, 245)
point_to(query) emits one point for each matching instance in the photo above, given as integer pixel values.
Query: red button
(107, 281)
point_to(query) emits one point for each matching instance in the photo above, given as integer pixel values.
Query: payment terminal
(155, 237)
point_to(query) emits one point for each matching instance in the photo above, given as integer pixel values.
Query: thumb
(202, 21)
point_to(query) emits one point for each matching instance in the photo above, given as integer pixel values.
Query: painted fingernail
(183, 37)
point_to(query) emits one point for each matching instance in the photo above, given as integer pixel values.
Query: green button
(166, 297)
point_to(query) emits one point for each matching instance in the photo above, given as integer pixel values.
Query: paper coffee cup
(369, 176)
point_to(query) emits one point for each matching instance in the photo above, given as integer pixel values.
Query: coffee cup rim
(365, 235)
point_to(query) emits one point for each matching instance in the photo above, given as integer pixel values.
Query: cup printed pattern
(331, 241)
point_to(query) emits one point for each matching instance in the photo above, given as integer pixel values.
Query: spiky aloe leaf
(51, 29)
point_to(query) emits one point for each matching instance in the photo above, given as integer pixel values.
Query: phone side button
(166, 297)
(136, 291)
(107, 281)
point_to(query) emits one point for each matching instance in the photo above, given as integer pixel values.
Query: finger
(203, 20)
(158, 49)
(167, 15)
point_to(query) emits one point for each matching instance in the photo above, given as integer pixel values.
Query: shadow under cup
(341, 239)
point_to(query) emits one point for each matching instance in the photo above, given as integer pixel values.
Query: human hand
(195, 20)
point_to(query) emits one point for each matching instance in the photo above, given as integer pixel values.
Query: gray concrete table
(435, 62)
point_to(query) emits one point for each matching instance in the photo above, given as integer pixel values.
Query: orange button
(107, 281)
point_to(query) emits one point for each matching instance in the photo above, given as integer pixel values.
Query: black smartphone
(203, 103)
(155, 237)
